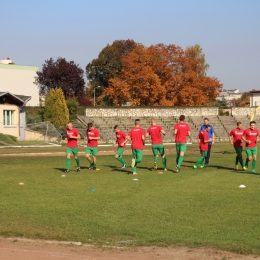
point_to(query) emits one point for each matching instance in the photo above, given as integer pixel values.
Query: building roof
(254, 91)
(20, 99)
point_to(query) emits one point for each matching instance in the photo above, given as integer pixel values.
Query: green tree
(73, 107)
(56, 110)
(221, 103)
(200, 66)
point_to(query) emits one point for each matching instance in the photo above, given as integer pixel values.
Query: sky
(32, 31)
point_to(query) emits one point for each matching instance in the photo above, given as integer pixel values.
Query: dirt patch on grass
(24, 249)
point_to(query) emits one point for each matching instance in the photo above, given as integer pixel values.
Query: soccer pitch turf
(196, 207)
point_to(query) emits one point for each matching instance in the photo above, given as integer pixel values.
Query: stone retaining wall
(149, 112)
(242, 111)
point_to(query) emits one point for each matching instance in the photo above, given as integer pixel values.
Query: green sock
(155, 159)
(253, 165)
(134, 168)
(77, 161)
(91, 163)
(200, 161)
(241, 161)
(94, 165)
(164, 162)
(180, 161)
(68, 164)
(120, 159)
(237, 159)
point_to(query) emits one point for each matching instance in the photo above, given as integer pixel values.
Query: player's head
(90, 126)
(116, 128)
(207, 128)
(182, 118)
(252, 125)
(137, 122)
(239, 125)
(206, 121)
(153, 121)
(69, 125)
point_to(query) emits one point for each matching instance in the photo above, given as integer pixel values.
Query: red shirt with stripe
(120, 138)
(182, 131)
(72, 142)
(251, 135)
(136, 135)
(155, 133)
(92, 133)
(237, 137)
(203, 136)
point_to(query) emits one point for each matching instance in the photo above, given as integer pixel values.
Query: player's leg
(94, 156)
(89, 156)
(68, 154)
(200, 161)
(239, 158)
(155, 156)
(119, 156)
(254, 150)
(249, 157)
(162, 153)
(182, 151)
(75, 153)
(134, 155)
(208, 153)
(177, 146)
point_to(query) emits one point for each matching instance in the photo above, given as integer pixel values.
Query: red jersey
(72, 142)
(182, 131)
(92, 133)
(251, 135)
(136, 135)
(155, 133)
(203, 136)
(120, 138)
(237, 137)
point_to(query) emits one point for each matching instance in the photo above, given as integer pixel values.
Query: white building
(254, 98)
(229, 94)
(19, 79)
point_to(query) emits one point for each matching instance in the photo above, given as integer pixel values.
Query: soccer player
(92, 137)
(250, 136)
(211, 136)
(181, 131)
(121, 141)
(155, 132)
(235, 138)
(204, 141)
(136, 134)
(73, 136)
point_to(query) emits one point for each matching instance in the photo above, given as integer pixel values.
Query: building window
(8, 117)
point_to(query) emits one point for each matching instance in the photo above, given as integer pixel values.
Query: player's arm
(175, 131)
(188, 134)
(147, 134)
(244, 139)
(143, 138)
(163, 132)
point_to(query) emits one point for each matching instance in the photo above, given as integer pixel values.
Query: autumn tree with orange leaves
(162, 75)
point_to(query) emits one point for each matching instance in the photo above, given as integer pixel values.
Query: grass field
(196, 208)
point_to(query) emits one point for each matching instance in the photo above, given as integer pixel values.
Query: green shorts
(120, 151)
(181, 147)
(251, 151)
(203, 153)
(238, 149)
(137, 154)
(158, 148)
(92, 150)
(73, 151)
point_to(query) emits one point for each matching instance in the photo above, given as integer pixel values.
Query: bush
(72, 105)
(9, 139)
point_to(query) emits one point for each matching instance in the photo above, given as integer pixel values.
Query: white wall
(18, 79)
(254, 99)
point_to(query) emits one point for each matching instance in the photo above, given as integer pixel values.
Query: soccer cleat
(244, 168)
(94, 168)
(236, 167)
(124, 166)
(134, 173)
(78, 169)
(133, 163)
(155, 166)
(202, 166)
(67, 171)
(91, 167)
(178, 168)
(195, 166)
(165, 169)
(253, 171)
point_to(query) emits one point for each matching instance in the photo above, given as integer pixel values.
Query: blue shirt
(210, 132)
